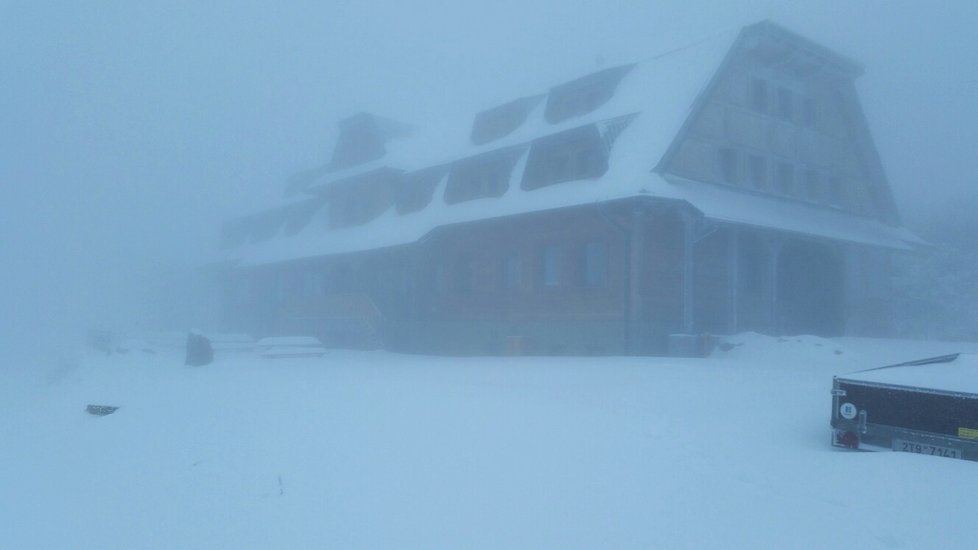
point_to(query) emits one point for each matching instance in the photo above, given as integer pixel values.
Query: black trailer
(928, 406)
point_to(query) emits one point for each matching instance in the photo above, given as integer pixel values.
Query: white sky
(131, 129)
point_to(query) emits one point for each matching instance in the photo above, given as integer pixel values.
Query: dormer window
(266, 225)
(572, 155)
(485, 176)
(583, 95)
(498, 122)
(414, 191)
(298, 216)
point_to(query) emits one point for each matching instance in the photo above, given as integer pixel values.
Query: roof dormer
(502, 120)
(363, 137)
(583, 95)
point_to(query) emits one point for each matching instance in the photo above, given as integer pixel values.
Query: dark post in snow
(199, 351)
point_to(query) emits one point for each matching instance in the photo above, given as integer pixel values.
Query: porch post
(689, 242)
(775, 243)
(733, 281)
(636, 248)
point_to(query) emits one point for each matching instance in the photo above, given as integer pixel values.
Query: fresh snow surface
(379, 450)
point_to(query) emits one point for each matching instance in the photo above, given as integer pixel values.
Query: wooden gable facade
(694, 246)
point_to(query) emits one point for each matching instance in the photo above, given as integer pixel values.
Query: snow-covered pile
(371, 449)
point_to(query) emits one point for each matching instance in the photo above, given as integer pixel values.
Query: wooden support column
(733, 281)
(689, 249)
(636, 262)
(774, 245)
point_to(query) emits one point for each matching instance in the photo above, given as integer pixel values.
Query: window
(758, 95)
(813, 188)
(757, 171)
(484, 176)
(570, 155)
(595, 264)
(583, 95)
(729, 169)
(512, 271)
(494, 123)
(786, 104)
(786, 178)
(583, 163)
(837, 191)
(809, 113)
(491, 182)
(560, 167)
(550, 266)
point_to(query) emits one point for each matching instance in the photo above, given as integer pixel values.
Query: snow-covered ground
(372, 449)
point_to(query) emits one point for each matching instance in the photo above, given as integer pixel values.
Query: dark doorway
(810, 290)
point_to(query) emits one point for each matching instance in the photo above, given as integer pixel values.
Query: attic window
(757, 171)
(758, 95)
(813, 187)
(486, 176)
(729, 165)
(583, 95)
(351, 208)
(266, 225)
(298, 216)
(498, 122)
(572, 155)
(415, 190)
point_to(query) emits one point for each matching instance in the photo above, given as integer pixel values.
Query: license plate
(925, 449)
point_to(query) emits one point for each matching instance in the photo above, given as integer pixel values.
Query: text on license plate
(924, 449)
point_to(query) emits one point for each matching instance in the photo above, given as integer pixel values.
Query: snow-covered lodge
(728, 185)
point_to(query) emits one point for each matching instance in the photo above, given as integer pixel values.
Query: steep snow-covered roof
(657, 94)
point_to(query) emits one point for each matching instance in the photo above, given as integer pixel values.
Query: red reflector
(847, 439)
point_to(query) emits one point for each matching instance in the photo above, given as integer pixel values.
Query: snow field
(371, 449)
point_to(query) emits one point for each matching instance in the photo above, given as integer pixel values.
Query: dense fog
(132, 130)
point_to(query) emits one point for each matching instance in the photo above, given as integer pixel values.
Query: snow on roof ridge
(659, 92)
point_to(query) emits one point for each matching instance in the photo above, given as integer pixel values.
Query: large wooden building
(725, 186)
